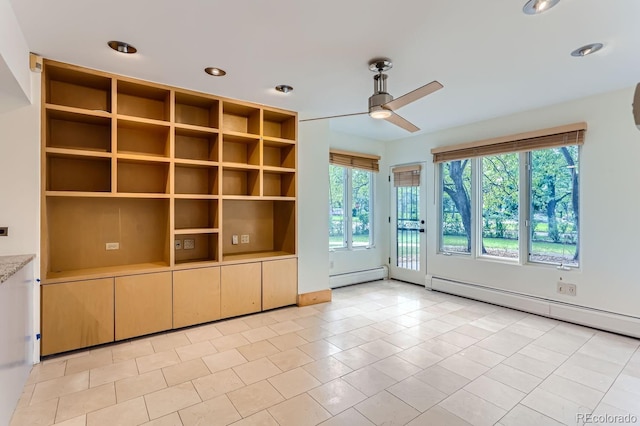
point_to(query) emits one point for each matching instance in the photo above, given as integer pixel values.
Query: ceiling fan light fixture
(122, 47)
(587, 50)
(216, 72)
(534, 7)
(379, 113)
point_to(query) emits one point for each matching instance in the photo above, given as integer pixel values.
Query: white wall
(16, 350)
(360, 259)
(20, 176)
(313, 213)
(15, 82)
(609, 173)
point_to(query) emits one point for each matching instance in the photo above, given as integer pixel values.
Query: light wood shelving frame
(146, 165)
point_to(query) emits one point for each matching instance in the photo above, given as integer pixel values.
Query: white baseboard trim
(608, 321)
(341, 280)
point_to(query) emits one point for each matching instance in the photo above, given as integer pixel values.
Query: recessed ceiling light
(533, 7)
(284, 88)
(122, 47)
(216, 72)
(587, 50)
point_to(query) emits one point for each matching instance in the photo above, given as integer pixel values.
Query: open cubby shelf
(269, 224)
(279, 184)
(240, 182)
(74, 88)
(78, 131)
(143, 138)
(196, 145)
(205, 248)
(74, 243)
(143, 177)
(63, 172)
(240, 118)
(197, 110)
(279, 125)
(192, 179)
(143, 100)
(277, 154)
(240, 150)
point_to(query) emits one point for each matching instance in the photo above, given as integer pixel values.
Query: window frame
(524, 214)
(347, 210)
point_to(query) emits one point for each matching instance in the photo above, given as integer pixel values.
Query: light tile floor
(384, 353)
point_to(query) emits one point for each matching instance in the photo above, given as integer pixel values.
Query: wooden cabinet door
(143, 304)
(279, 283)
(240, 289)
(196, 296)
(76, 315)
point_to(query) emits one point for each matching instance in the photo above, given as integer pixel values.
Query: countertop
(9, 265)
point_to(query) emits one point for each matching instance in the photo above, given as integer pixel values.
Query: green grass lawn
(490, 243)
(512, 245)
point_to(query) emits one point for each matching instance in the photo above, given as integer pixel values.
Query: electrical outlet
(244, 239)
(177, 244)
(234, 239)
(571, 289)
(4, 231)
(562, 287)
(189, 244)
(113, 246)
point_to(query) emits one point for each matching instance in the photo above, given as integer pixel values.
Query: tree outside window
(552, 212)
(350, 212)
(555, 203)
(456, 206)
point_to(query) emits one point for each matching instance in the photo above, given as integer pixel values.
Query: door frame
(396, 272)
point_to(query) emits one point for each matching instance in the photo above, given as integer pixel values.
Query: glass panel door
(408, 250)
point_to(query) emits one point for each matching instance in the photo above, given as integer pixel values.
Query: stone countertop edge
(9, 265)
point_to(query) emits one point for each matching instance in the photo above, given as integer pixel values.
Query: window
(456, 213)
(500, 202)
(337, 205)
(351, 199)
(530, 179)
(554, 196)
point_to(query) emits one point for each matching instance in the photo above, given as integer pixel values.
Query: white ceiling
(492, 58)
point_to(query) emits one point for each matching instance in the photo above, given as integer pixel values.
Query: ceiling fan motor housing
(378, 99)
(380, 95)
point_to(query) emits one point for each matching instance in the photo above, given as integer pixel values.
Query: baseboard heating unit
(375, 274)
(609, 321)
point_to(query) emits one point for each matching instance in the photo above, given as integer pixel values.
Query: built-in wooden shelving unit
(169, 177)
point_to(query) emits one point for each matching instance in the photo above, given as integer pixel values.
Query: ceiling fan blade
(333, 116)
(413, 95)
(401, 122)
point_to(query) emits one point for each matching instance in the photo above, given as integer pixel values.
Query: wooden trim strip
(411, 168)
(354, 154)
(315, 297)
(510, 138)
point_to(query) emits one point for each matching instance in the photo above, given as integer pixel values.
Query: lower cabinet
(143, 304)
(86, 313)
(196, 296)
(240, 289)
(279, 283)
(76, 315)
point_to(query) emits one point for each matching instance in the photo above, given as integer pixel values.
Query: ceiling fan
(381, 103)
